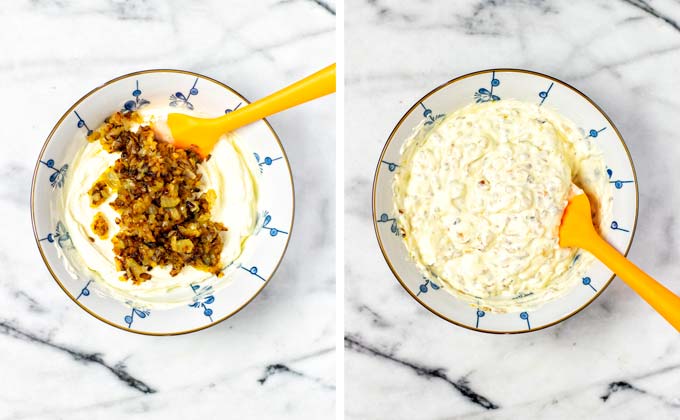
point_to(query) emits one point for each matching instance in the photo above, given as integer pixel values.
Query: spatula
(201, 134)
(577, 231)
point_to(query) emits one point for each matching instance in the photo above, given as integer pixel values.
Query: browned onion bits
(164, 217)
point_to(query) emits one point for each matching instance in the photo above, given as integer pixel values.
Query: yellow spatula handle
(311, 87)
(661, 299)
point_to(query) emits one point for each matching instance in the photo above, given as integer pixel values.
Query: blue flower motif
(423, 287)
(253, 270)
(85, 291)
(228, 110)
(137, 102)
(618, 184)
(59, 175)
(141, 313)
(266, 161)
(615, 226)
(178, 98)
(486, 95)
(480, 314)
(81, 123)
(544, 94)
(61, 236)
(431, 118)
(384, 218)
(202, 298)
(525, 316)
(390, 166)
(587, 282)
(594, 133)
(265, 225)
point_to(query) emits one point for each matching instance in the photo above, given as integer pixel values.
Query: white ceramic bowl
(496, 84)
(158, 89)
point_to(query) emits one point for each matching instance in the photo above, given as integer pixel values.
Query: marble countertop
(615, 359)
(275, 358)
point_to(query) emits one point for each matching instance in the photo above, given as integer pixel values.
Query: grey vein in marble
(488, 17)
(385, 12)
(376, 318)
(647, 8)
(330, 9)
(619, 386)
(324, 5)
(278, 368)
(613, 65)
(33, 305)
(626, 384)
(119, 369)
(461, 385)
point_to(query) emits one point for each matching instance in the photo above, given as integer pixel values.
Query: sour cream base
(480, 195)
(231, 172)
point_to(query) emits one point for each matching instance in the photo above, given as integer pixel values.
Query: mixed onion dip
(480, 195)
(148, 220)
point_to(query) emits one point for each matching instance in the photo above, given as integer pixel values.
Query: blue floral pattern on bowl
(390, 221)
(81, 123)
(272, 230)
(618, 183)
(56, 178)
(430, 117)
(181, 100)
(141, 313)
(203, 298)
(486, 95)
(136, 103)
(85, 291)
(423, 288)
(253, 271)
(266, 161)
(60, 236)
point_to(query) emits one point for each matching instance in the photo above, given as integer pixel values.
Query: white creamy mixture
(231, 172)
(480, 196)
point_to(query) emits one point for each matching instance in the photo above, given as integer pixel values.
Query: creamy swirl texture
(480, 195)
(231, 172)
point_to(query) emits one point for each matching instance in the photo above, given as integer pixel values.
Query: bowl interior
(497, 85)
(161, 89)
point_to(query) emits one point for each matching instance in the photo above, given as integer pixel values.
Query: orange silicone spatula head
(577, 231)
(576, 222)
(201, 134)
